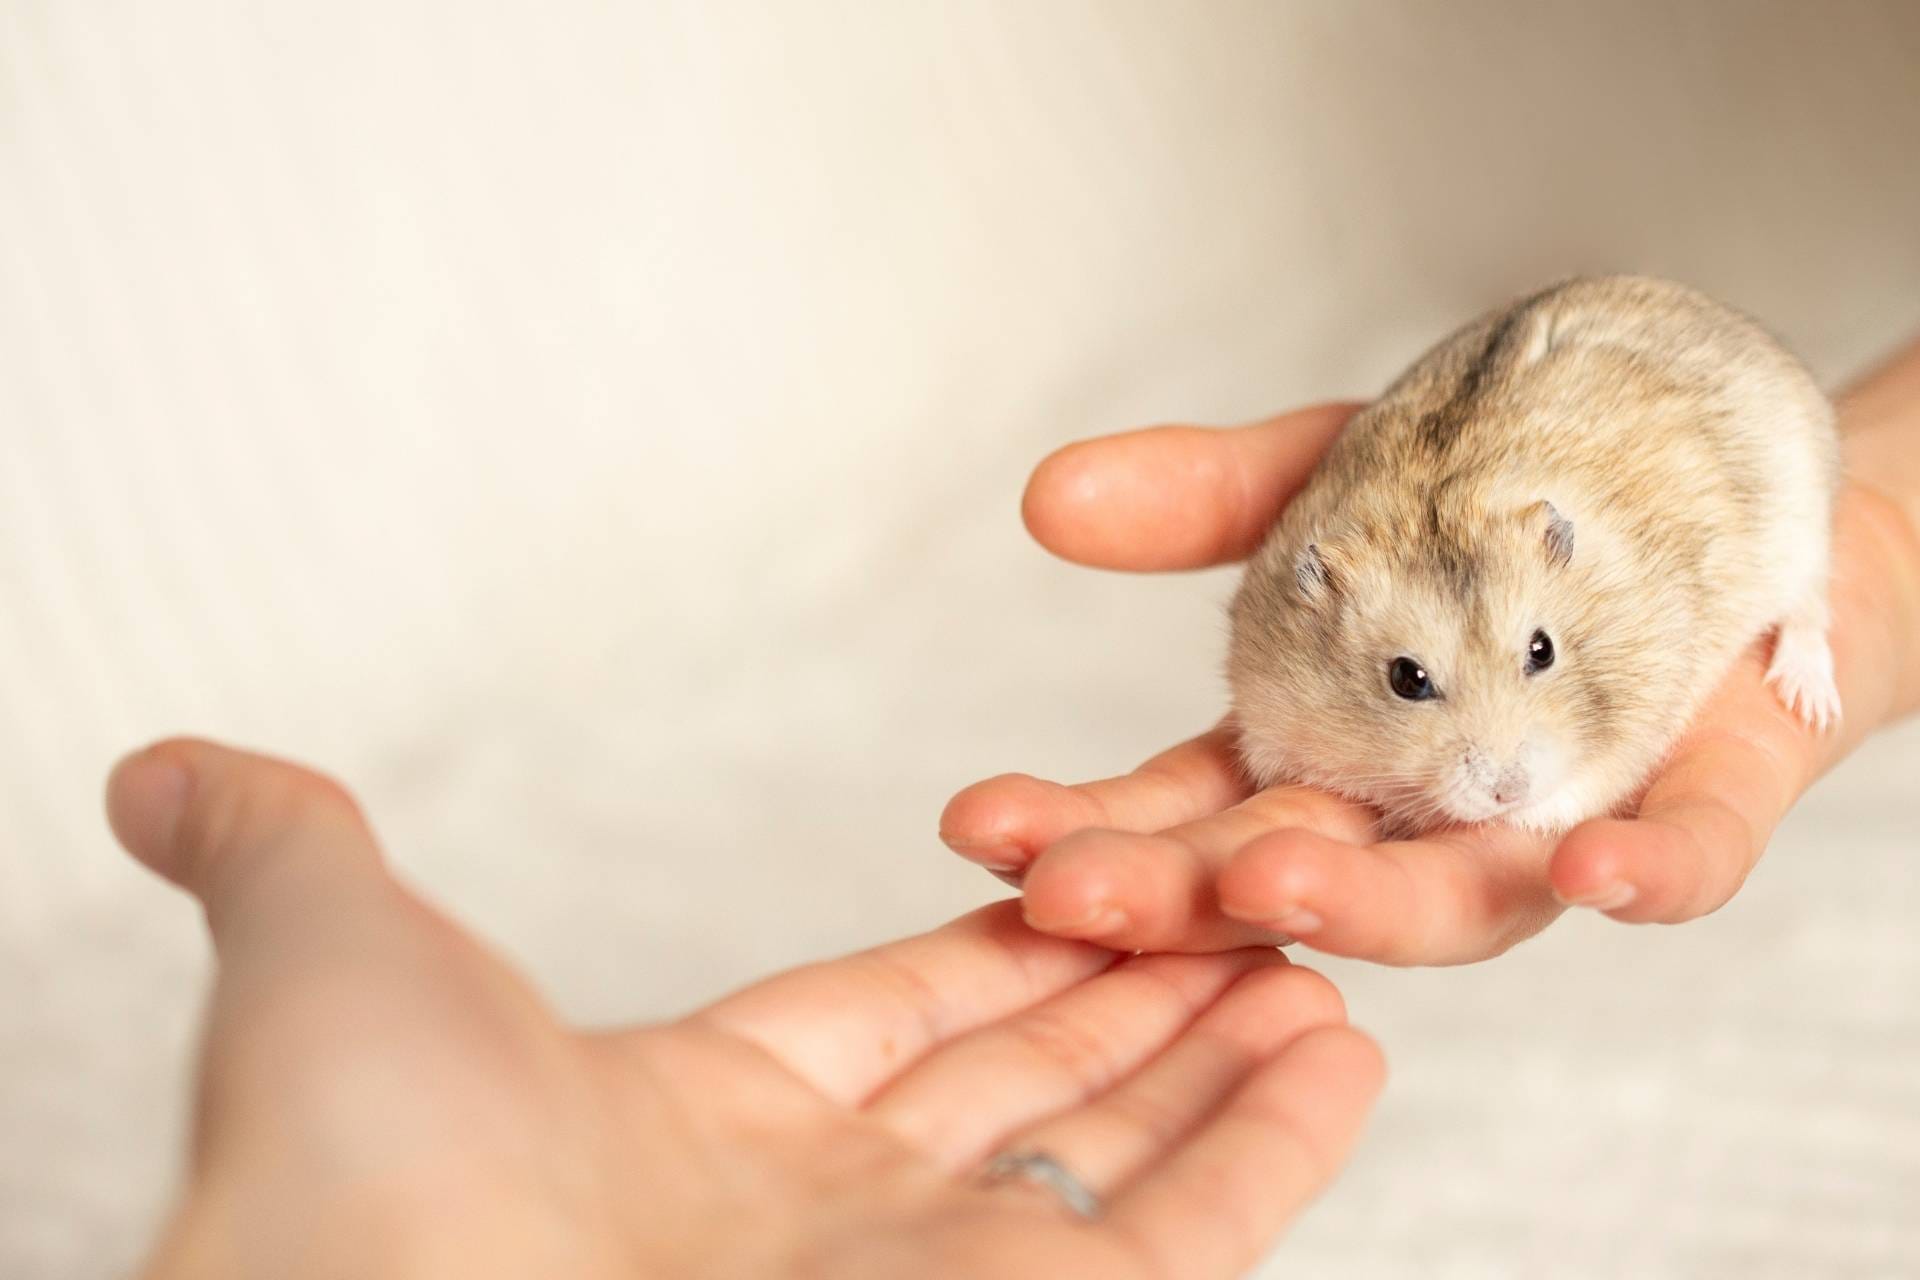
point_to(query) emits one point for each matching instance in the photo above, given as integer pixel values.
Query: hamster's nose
(1511, 786)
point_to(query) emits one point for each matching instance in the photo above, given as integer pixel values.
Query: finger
(1123, 1131)
(1250, 1169)
(1055, 1054)
(1701, 829)
(1157, 892)
(850, 1025)
(1004, 822)
(1712, 808)
(1175, 497)
(1449, 899)
(279, 857)
(329, 970)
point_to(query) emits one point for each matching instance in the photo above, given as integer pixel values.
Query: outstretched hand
(1183, 854)
(380, 1095)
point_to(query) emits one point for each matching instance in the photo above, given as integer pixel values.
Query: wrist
(1880, 437)
(1886, 544)
(1880, 431)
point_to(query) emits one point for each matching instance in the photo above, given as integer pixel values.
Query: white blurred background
(595, 432)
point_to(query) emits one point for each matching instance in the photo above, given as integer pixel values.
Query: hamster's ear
(1558, 535)
(1312, 573)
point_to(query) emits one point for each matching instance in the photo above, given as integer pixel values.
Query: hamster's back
(1595, 372)
(1641, 407)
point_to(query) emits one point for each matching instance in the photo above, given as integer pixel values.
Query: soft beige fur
(1620, 463)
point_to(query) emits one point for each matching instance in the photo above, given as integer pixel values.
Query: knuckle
(1726, 846)
(1279, 807)
(1076, 1050)
(1019, 785)
(1087, 843)
(314, 793)
(904, 986)
(238, 813)
(284, 795)
(1156, 1118)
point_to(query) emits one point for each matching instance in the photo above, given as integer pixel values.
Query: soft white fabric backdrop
(595, 430)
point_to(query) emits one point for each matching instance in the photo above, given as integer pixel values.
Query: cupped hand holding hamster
(1185, 853)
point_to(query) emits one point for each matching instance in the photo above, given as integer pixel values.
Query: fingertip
(1153, 499)
(187, 807)
(1308, 996)
(1130, 891)
(1588, 869)
(1633, 871)
(983, 823)
(147, 792)
(1276, 882)
(1174, 497)
(1072, 890)
(1062, 490)
(1350, 1072)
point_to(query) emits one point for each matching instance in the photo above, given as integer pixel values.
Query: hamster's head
(1430, 664)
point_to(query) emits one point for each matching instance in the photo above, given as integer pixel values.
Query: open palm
(382, 1096)
(1183, 854)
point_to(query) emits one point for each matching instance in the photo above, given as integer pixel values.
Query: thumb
(355, 1038)
(318, 946)
(271, 850)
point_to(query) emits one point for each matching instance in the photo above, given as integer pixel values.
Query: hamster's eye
(1539, 652)
(1409, 680)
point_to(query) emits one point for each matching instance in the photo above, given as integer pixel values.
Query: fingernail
(1609, 897)
(1297, 922)
(995, 856)
(146, 794)
(1096, 923)
(1294, 922)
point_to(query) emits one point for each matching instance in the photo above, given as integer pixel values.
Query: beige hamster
(1514, 578)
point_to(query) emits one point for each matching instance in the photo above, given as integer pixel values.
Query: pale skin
(1183, 854)
(381, 1096)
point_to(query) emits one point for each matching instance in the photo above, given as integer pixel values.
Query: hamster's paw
(1802, 675)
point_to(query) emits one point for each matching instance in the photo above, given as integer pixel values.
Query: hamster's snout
(1495, 784)
(1487, 785)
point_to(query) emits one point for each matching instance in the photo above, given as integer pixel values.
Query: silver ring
(1042, 1169)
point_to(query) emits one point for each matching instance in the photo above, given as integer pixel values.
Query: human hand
(381, 1096)
(1182, 854)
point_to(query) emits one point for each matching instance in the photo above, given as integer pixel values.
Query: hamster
(1514, 578)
